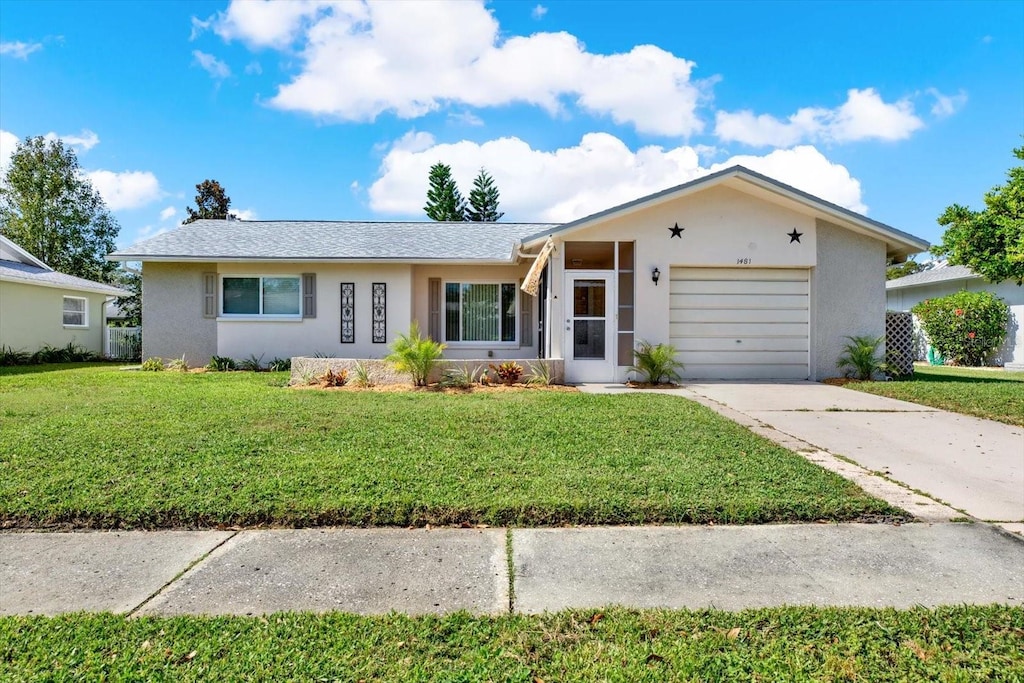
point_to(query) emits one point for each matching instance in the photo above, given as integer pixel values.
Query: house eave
(98, 289)
(288, 259)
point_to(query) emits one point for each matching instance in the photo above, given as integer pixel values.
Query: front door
(589, 334)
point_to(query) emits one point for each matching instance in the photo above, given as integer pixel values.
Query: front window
(75, 311)
(476, 312)
(262, 296)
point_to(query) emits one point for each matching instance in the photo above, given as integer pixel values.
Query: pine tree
(51, 210)
(483, 200)
(444, 201)
(211, 202)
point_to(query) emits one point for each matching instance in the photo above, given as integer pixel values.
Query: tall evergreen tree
(444, 201)
(211, 202)
(51, 210)
(483, 200)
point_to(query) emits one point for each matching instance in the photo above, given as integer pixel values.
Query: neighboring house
(746, 276)
(39, 306)
(904, 293)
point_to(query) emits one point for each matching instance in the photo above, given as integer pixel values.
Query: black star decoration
(676, 231)
(794, 236)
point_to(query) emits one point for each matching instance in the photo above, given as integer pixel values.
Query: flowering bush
(965, 327)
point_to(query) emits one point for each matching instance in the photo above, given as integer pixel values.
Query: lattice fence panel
(900, 345)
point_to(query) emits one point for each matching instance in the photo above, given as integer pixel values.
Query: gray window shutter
(434, 322)
(526, 333)
(209, 295)
(309, 295)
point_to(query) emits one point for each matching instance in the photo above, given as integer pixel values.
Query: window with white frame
(76, 311)
(277, 295)
(480, 312)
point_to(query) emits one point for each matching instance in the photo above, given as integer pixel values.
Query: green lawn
(991, 394)
(783, 644)
(100, 447)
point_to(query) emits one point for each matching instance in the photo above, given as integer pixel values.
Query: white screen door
(589, 333)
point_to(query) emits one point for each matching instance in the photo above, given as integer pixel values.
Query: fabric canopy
(531, 284)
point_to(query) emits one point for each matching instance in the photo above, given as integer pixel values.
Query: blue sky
(308, 109)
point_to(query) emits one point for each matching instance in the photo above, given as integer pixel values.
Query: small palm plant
(656, 362)
(415, 354)
(860, 357)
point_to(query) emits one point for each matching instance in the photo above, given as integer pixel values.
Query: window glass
(74, 311)
(451, 312)
(281, 296)
(590, 255)
(480, 312)
(508, 312)
(241, 296)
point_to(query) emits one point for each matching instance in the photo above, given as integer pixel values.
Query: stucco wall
(172, 312)
(847, 294)
(1012, 350)
(32, 317)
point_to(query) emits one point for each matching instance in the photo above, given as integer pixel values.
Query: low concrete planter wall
(381, 372)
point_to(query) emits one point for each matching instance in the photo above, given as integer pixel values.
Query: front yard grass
(964, 643)
(104, 448)
(990, 394)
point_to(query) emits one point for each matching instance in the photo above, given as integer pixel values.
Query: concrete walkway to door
(971, 464)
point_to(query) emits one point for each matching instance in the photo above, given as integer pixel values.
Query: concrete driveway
(972, 464)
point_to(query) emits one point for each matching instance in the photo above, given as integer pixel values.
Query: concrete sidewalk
(372, 571)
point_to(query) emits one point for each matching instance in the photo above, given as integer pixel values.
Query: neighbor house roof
(937, 274)
(15, 271)
(898, 243)
(226, 240)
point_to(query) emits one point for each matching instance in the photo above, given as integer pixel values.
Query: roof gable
(9, 251)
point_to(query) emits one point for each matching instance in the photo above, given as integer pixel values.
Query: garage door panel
(738, 315)
(744, 357)
(738, 287)
(737, 330)
(749, 300)
(738, 274)
(752, 371)
(747, 344)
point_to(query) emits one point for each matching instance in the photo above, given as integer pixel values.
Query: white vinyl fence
(124, 343)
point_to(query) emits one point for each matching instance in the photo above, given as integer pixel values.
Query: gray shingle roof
(326, 240)
(23, 272)
(925, 277)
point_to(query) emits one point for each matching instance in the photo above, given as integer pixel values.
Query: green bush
(965, 327)
(279, 365)
(153, 364)
(656, 362)
(361, 375)
(415, 354)
(252, 363)
(9, 356)
(460, 377)
(508, 372)
(860, 357)
(221, 364)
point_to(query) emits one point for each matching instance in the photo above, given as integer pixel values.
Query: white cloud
(598, 173)
(8, 143)
(198, 27)
(127, 189)
(360, 60)
(947, 105)
(465, 118)
(538, 12)
(85, 140)
(213, 66)
(18, 49)
(245, 214)
(863, 116)
(168, 213)
(253, 68)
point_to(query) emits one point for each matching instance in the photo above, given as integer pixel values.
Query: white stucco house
(40, 306)
(904, 293)
(746, 276)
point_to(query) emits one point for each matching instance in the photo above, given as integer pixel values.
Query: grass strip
(965, 643)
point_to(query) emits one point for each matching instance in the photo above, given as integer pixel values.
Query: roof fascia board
(29, 258)
(98, 289)
(289, 259)
(926, 283)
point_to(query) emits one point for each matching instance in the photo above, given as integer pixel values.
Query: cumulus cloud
(864, 116)
(168, 213)
(947, 105)
(84, 141)
(211, 65)
(127, 189)
(572, 182)
(245, 214)
(360, 60)
(8, 143)
(19, 49)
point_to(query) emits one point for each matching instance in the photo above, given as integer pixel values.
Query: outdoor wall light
(655, 276)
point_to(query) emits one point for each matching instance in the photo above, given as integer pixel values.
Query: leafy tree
(131, 305)
(483, 200)
(989, 242)
(211, 202)
(444, 201)
(49, 208)
(965, 327)
(898, 270)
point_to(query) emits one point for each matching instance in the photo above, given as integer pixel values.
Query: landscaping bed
(993, 394)
(963, 643)
(97, 447)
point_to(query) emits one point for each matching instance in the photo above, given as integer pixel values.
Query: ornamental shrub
(965, 327)
(415, 354)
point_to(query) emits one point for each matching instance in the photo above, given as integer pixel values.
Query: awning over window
(531, 283)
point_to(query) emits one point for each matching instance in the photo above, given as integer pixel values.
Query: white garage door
(740, 323)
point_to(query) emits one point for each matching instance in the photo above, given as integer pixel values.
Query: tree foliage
(50, 209)
(894, 271)
(131, 305)
(444, 201)
(989, 242)
(965, 327)
(483, 199)
(211, 202)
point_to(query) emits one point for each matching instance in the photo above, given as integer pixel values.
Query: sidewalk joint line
(511, 568)
(132, 612)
